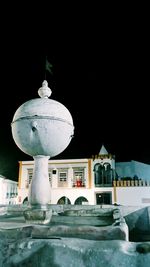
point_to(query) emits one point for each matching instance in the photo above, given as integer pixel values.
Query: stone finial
(44, 91)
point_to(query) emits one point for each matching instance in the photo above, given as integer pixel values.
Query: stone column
(39, 193)
(40, 189)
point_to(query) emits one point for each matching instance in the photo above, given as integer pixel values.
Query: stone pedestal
(38, 216)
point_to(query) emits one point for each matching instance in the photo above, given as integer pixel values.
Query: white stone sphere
(42, 126)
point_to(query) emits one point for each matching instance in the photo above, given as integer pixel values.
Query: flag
(48, 67)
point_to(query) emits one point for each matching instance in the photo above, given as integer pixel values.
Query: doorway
(104, 198)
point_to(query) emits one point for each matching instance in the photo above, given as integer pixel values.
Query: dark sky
(100, 73)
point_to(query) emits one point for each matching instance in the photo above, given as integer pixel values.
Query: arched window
(25, 201)
(103, 174)
(96, 167)
(108, 174)
(80, 201)
(97, 173)
(64, 200)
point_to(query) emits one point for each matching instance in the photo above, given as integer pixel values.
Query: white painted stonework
(42, 128)
(130, 194)
(40, 191)
(8, 191)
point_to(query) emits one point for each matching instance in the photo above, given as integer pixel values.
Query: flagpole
(45, 67)
(48, 67)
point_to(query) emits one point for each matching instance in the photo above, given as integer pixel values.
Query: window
(62, 178)
(81, 201)
(30, 174)
(64, 200)
(78, 177)
(50, 175)
(103, 174)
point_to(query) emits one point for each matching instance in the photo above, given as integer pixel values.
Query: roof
(103, 151)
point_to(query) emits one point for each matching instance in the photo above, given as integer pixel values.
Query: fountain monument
(41, 128)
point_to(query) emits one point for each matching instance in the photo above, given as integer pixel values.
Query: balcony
(78, 184)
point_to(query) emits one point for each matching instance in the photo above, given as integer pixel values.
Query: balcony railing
(79, 184)
(131, 183)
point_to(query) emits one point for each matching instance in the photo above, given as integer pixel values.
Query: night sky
(100, 73)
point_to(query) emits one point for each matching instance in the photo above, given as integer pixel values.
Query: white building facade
(8, 191)
(87, 181)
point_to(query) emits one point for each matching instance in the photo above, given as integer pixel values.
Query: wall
(133, 196)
